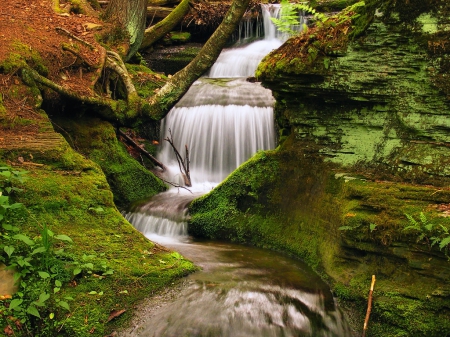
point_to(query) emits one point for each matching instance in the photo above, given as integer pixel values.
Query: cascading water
(223, 119)
(241, 291)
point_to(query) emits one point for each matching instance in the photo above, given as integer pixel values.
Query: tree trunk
(131, 15)
(154, 33)
(171, 92)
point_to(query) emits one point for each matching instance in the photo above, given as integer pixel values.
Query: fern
(289, 16)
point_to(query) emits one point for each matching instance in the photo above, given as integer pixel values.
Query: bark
(131, 15)
(171, 92)
(156, 32)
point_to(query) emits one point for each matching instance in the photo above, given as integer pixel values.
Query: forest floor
(32, 32)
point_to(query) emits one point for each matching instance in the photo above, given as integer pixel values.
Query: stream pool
(245, 291)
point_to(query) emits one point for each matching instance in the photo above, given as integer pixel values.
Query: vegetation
(71, 278)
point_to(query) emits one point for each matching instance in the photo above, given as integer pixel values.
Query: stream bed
(244, 291)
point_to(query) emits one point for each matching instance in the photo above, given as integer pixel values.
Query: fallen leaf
(114, 314)
(8, 331)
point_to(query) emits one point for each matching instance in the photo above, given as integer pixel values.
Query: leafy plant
(290, 16)
(430, 233)
(39, 270)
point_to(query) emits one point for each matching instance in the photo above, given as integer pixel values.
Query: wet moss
(79, 203)
(97, 140)
(23, 56)
(294, 201)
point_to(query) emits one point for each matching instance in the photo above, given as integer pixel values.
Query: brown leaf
(114, 314)
(8, 331)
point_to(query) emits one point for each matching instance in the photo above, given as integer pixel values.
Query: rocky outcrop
(365, 137)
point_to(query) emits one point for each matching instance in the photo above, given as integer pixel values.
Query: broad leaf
(43, 274)
(63, 237)
(25, 239)
(32, 310)
(8, 250)
(39, 250)
(64, 305)
(15, 304)
(43, 297)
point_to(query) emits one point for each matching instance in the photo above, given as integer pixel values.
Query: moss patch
(129, 180)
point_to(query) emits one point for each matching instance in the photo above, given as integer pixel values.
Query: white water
(224, 120)
(241, 291)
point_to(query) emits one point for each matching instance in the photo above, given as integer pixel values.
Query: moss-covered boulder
(364, 154)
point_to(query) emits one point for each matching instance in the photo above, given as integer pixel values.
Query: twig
(369, 307)
(447, 144)
(148, 155)
(65, 31)
(175, 185)
(181, 163)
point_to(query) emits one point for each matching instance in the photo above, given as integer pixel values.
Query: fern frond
(444, 242)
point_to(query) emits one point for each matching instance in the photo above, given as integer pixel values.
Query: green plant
(38, 268)
(289, 16)
(430, 233)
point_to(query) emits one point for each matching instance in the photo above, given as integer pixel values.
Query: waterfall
(223, 119)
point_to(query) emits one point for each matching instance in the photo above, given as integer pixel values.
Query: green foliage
(41, 267)
(290, 16)
(428, 232)
(38, 267)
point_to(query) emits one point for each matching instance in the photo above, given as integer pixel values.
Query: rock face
(365, 137)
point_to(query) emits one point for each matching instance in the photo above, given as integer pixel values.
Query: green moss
(313, 49)
(2, 107)
(22, 56)
(145, 80)
(78, 203)
(294, 201)
(129, 180)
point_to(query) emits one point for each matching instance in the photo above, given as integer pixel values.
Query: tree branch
(172, 91)
(155, 161)
(156, 32)
(115, 63)
(181, 163)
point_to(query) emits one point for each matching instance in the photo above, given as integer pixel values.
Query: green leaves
(427, 231)
(63, 237)
(24, 238)
(8, 250)
(15, 304)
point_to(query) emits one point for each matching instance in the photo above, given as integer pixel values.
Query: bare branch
(155, 161)
(65, 31)
(181, 163)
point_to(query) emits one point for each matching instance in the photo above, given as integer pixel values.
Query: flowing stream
(241, 291)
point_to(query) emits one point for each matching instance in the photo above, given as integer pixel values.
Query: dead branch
(369, 307)
(183, 164)
(65, 31)
(175, 185)
(155, 161)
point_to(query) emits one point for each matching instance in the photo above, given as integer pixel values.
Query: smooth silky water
(241, 291)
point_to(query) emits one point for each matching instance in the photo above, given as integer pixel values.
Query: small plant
(40, 265)
(289, 16)
(430, 233)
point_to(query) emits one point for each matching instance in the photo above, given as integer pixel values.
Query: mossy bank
(363, 142)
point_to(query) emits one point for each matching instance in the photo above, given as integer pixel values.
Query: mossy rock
(129, 180)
